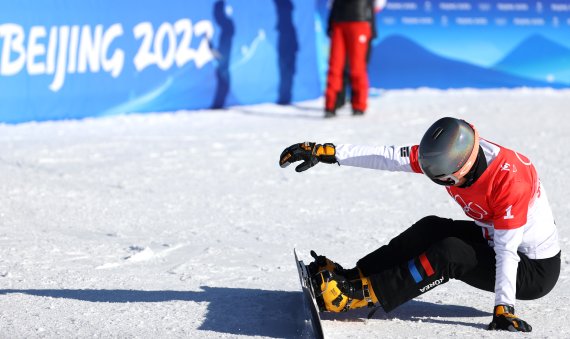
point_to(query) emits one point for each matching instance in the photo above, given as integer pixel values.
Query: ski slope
(182, 225)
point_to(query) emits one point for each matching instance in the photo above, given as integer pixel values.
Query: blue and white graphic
(480, 44)
(64, 59)
(72, 59)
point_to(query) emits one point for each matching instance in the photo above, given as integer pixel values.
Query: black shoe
(357, 112)
(330, 114)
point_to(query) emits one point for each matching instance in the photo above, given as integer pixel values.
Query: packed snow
(183, 224)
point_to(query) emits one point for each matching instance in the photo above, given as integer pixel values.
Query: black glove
(310, 152)
(323, 263)
(504, 319)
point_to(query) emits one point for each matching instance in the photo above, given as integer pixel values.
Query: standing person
(509, 247)
(223, 54)
(287, 47)
(351, 27)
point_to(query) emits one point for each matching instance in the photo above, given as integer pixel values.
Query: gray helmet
(448, 150)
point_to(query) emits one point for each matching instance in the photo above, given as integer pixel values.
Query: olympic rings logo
(471, 209)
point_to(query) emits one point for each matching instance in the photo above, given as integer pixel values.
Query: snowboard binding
(337, 289)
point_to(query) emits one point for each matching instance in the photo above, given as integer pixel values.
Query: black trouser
(434, 250)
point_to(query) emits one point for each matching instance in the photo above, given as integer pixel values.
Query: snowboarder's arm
(388, 158)
(507, 259)
(511, 207)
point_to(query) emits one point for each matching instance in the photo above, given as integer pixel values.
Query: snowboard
(309, 301)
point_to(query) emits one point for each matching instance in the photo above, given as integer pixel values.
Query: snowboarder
(510, 247)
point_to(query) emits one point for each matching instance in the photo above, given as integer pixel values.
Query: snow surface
(183, 224)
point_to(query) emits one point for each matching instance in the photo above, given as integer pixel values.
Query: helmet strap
(476, 170)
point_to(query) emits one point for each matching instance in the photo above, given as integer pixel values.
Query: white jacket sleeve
(507, 259)
(388, 158)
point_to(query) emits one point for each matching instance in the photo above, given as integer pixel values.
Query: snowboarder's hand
(323, 263)
(310, 153)
(504, 319)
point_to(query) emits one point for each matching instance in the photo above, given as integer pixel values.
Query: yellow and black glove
(504, 319)
(322, 263)
(311, 153)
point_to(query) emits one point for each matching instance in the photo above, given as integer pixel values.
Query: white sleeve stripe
(507, 259)
(388, 158)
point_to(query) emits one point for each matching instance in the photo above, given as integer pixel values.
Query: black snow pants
(434, 250)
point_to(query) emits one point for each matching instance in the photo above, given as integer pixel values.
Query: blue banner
(466, 43)
(63, 59)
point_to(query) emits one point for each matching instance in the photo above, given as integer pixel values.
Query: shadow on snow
(417, 310)
(230, 310)
(258, 312)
